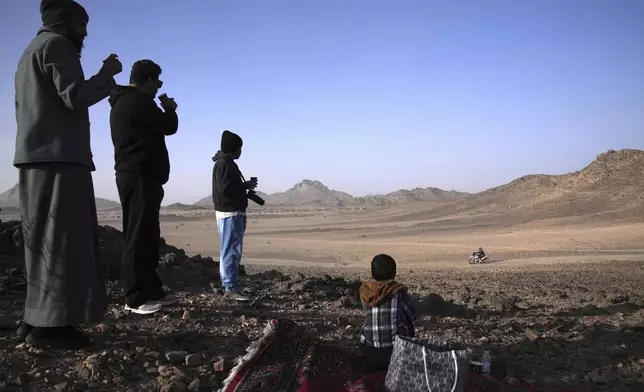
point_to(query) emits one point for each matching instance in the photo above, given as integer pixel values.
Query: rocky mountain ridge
(611, 185)
(614, 180)
(11, 199)
(315, 193)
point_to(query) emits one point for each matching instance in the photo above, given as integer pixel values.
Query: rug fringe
(251, 352)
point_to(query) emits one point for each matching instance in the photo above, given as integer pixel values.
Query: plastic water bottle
(486, 363)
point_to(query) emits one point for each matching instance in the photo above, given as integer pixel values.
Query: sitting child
(388, 312)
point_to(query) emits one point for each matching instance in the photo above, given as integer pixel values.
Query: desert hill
(611, 185)
(11, 199)
(206, 202)
(417, 194)
(182, 207)
(314, 193)
(310, 192)
(105, 204)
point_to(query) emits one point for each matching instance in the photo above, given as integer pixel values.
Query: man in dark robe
(65, 286)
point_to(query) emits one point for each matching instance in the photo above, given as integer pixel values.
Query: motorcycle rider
(479, 254)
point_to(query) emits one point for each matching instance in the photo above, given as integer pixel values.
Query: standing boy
(229, 196)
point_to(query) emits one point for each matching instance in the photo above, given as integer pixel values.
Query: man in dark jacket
(229, 196)
(65, 286)
(142, 167)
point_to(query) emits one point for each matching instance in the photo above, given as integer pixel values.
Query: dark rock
(195, 359)
(14, 272)
(62, 387)
(209, 260)
(432, 304)
(342, 321)
(170, 258)
(310, 283)
(462, 296)
(338, 282)
(219, 364)
(500, 303)
(297, 288)
(281, 287)
(176, 357)
(354, 285)
(11, 238)
(350, 292)
(322, 294)
(111, 243)
(435, 300)
(348, 301)
(273, 275)
(194, 385)
(7, 322)
(174, 386)
(531, 334)
(304, 286)
(179, 373)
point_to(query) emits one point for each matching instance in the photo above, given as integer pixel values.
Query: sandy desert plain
(349, 239)
(560, 302)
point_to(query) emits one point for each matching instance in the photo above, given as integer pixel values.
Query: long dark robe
(65, 286)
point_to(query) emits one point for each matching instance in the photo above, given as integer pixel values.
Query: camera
(255, 197)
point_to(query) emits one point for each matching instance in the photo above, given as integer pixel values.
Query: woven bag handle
(427, 369)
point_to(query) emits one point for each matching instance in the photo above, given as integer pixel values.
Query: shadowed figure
(230, 199)
(139, 128)
(54, 158)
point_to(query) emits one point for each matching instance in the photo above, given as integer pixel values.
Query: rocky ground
(550, 326)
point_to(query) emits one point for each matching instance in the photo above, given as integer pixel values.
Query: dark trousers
(377, 357)
(140, 200)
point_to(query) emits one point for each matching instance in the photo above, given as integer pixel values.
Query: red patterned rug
(288, 359)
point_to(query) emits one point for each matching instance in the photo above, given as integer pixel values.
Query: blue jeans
(231, 233)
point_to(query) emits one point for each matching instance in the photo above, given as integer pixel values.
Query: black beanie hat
(230, 142)
(57, 12)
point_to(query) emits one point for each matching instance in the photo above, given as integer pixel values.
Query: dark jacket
(139, 128)
(228, 188)
(52, 99)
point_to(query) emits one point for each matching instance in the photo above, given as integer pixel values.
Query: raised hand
(168, 104)
(111, 65)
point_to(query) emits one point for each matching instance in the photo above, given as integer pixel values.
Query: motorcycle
(476, 259)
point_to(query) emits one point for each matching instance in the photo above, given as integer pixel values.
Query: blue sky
(367, 96)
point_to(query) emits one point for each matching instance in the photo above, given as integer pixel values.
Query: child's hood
(374, 293)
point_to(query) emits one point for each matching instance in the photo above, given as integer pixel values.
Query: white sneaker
(146, 308)
(236, 296)
(169, 299)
